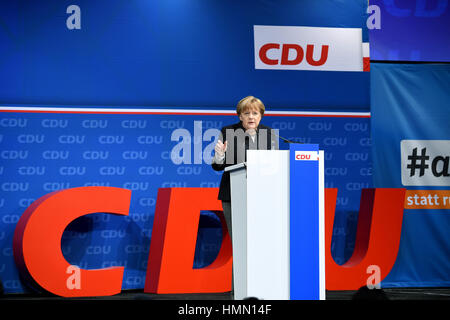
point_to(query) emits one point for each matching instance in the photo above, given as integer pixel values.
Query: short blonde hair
(250, 102)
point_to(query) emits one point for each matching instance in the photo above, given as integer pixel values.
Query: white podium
(260, 193)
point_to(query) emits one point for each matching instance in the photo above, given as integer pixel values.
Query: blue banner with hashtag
(411, 149)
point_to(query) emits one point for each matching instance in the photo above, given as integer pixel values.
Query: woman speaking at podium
(235, 139)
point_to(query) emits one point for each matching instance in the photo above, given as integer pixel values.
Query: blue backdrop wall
(394, 23)
(178, 55)
(194, 53)
(135, 152)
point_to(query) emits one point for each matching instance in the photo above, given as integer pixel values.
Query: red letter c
(263, 53)
(37, 239)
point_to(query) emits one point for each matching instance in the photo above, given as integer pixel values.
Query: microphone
(253, 132)
(287, 140)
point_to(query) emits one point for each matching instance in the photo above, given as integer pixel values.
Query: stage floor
(387, 293)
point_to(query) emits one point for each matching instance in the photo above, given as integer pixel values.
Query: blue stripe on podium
(304, 222)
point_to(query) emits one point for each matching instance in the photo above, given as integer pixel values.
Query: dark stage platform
(383, 294)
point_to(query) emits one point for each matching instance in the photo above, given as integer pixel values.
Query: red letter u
(323, 55)
(377, 237)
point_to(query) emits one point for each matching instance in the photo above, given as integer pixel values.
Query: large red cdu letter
(285, 54)
(172, 249)
(37, 240)
(377, 237)
(263, 53)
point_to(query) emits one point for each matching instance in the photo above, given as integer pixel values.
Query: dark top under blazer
(224, 190)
